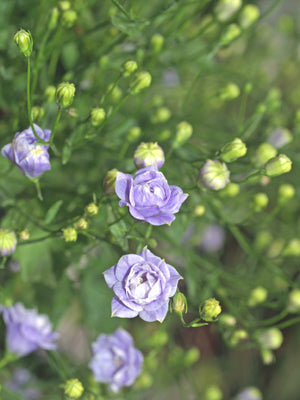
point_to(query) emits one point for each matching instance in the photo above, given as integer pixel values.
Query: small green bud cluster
(73, 388)
(65, 93)
(142, 81)
(231, 32)
(157, 42)
(210, 309)
(292, 249)
(92, 209)
(231, 190)
(37, 113)
(24, 234)
(97, 116)
(260, 201)
(70, 234)
(285, 193)
(68, 18)
(50, 92)
(129, 67)
(293, 305)
(213, 392)
(24, 41)
(134, 133)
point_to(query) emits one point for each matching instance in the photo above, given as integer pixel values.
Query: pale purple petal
(161, 219)
(177, 197)
(118, 309)
(156, 315)
(110, 277)
(123, 185)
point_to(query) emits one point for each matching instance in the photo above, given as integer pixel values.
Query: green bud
(134, 133)
(129, 67)
(285, 193)
(142, 81)
(270, 339)
(213, 393)
(65, 93)
(179, 303)
(109, 181)
(257, 296)
(24, 234)
(233, 150)
(231, 190)
(116, 92)
(225, 9)
(199, 210)
(238, 336)
(214, 175)
(164, 135)
(144, 381)
(264, 153)
(227, 320)
(230, 92)
(210, 309)
(97, 116)
(263, 239)
(54, 18)
(278, 166)
(148, 154)
(248, 88)
(292, 249)
(70, 234)
(50, 92)
(230, 34)
(69, 18)
(157, 42)
(81, 224)
(267, 356)
(191, 356)
(293, 305)
(64, 5)
(260, 201)
(92, 209)
(248, 16)
(162, 114)
(158, 339)
(275, 248)
(8, 242)
(104, 62)
(73, 388)
(184, 131)
(24, 41)
(37, 113)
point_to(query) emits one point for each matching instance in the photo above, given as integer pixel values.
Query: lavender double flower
(143, 284)
(27, 330)
(149, 196)
(27, 154)
(115, 360)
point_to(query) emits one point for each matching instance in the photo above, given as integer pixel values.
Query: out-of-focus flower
(257, 296)
(229, 92)
(249, 14)
(213, 238)
(157, 42)
(50, 93)
(162, 114)
(143, 284)
(8, 242)
(24, 41)
(280, 137)
(134, 133)
(231, 33)
(27, 330)
(30, 157)
(293, 305)
(249, 393)
(115, 360)
(148, 154)
(225, 9)
(149, 196)
(73, 388)
(260, 201)
(214, 175)
(69, 17)
(270, 338)
(285, 193)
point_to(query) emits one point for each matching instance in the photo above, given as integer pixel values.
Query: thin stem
(122, 9)
(54, 129)
(38, 188)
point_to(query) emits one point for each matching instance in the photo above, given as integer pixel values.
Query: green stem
(122, 9)
(273, 320)
(288, 323)
(8, 357)
(54, 128)
(38, 188)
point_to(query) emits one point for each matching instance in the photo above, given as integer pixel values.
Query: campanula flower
(149, 196)
(115, 361)
(30, 157)
(27, 330)
(143, 284)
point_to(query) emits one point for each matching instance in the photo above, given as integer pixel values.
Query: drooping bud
(50, 92)
(148, 154)
(73, 388)
(264, 153)
(278, 166)
(213, 392)
(210, 309)
(232, 32)
(248, 16)
(162, 114)
(270, 339)
(184, 131)
(179, 303)
(233, 150)
(257, 296)
(70, 234)
(92, 209)
(285, 193)
(97, 116)
(65, 93)
(214, 175)
(68, 18)
(134, 133)
(8, 242)
(109, 181)
(225, 9)
(142, 81)
(230, 92)
(24, 41)
(157, 42)
(260, 201)
(129, 67)
(293, 305)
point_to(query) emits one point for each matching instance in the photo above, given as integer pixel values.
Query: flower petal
(156, 315)
(119, 310)
(123, 185)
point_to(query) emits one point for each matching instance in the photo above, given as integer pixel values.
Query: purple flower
(115, 361)
(27, 330)
(143, 284)
(148, 196)
(30, 157)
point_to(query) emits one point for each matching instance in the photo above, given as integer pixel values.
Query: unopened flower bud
(248, 87)
(233, 150)
(50, 92)
(260, 201)
(92, 209)
(37, 113)
(238, 336)
(191, 356)
(24, 41)
(134, 133)
(264, 153)
(267, 356)
(129, 67)
(116, 92)
(293, 305)
(70, 234)
(184, 131)
(230, 34)
(225, 9)
(64, 5)
(144, 381)
(270, 339)
(69, 18)
(65, 94)
(230, 92)
(248, 16)
(292, 249)
(109, 181)
(278, 165)
(280, 137)
(73, 388)
(81, 224)
(54, 18)
(142, 81)
(157, 42)
(179, 303)
(257, 296)
(231, 190)
(214, 175)
(285, 193)
(213, 393)
(227, 319)
(162, 114)
(148, 154)
(199, 210)
(8, 242)
(210, 310)
(97, 116)
(24, 234)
